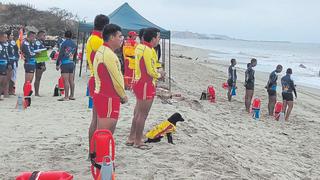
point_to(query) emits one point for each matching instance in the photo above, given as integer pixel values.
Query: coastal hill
(192, 35)
(54, 20)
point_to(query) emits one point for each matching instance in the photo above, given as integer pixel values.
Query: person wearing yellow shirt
(144, 89)
(93, 43)
(156, 61)
(109, 84)
(129, 47)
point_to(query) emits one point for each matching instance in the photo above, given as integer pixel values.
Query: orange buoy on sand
(256, 103)
(277, 110)
(102, 155)
(225, 85)
(27, 92)
(45, 175)
(61, 85)
(211, 94)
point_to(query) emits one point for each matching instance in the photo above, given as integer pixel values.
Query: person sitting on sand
(287, 87)
(66, 64)
(146, 76)
(249, 83)
(272, 88)
(232, 78)
(109, 83)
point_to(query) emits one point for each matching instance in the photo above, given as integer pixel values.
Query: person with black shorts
(29, 55)
(288, 87)
(232, 78)
(40, 66)
(66, 64)
(249, 83)
(272, 88)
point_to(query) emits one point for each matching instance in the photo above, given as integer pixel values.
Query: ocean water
(268, 54)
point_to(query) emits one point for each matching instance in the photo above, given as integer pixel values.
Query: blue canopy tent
(129, 20)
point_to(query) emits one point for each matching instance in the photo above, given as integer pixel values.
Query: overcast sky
(279, 20)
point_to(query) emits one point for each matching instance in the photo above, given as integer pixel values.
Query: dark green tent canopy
(129, 20)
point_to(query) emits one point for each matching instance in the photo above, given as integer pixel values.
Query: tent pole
(84, 38)
(76, 54)
(169, 64)
(163, 53)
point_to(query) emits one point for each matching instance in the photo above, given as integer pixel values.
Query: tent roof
(129, 20)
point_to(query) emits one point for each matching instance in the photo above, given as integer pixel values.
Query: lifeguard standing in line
(129, 47)
(109, 90)
(94, 42)
(146, 76)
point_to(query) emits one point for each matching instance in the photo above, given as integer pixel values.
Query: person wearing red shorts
(129, 47)
(144, 88)
(94, 42)
(109, 84)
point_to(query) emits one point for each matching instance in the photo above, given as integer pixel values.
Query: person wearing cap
(129, 47)
(288, 87)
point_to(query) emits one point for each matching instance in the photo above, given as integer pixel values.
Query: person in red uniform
(146, 75)
(94, 42)
(129, 47)
(109, 85)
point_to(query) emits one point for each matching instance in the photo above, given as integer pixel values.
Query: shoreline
(263, 76)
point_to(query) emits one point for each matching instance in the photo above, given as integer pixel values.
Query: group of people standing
(33, 52)
(10, 51)
(9, 56)
(287, 84)
(107, 83)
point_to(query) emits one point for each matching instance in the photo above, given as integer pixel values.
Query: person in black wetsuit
(249, 83)
(232, 77)
(288, 87)
(272, 88)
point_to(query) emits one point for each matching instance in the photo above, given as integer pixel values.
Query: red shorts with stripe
(144, 90)
(106, 107)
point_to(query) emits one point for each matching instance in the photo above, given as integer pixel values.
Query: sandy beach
(217, 140)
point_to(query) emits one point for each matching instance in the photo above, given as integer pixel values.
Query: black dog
(166, 127)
